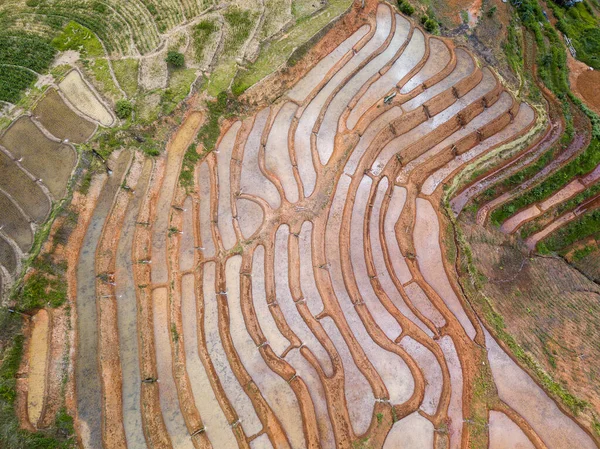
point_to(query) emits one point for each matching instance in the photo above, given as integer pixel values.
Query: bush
(491, 11)
(430, 26)
(406, 8)
(175, 59)
(123, 109)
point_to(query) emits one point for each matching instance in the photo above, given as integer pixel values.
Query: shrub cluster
(430, 24)
(175, 59)
(405, 7)
(123, 109)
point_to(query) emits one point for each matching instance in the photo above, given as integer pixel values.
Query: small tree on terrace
(175, 59)
(123, 109)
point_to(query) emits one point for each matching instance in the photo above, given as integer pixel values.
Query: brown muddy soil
(588, 85)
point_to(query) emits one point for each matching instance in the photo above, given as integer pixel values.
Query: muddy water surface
(225, 218)
(236, 395)
(87, 378)
(127, 317)
(217, 428)
(274, 389)
(169, 403)
(412, 432)
(329, 125)
(505, 434)
(429, 256)
(318, 72)
(175, 150)
(519, 391)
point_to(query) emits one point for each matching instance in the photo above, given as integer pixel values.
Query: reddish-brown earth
(588, 84)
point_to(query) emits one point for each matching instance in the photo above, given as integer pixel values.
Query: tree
(430, 25)
(175, 59)
(123, 109)
(405, 7)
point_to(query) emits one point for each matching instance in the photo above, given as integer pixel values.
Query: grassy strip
(98, 72)
(580, 228)
(474, 290)
(180, 82)
(126, 72)
(278, 52)
(582, 253)
(78, 38)
(581, 165)
(512, 48)
(201, 34)
(239, 26)
(59, 436)
(518, 178)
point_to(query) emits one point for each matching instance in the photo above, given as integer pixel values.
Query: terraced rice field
(84, 99)
(61, 120)
(300, 295)
(37, 160)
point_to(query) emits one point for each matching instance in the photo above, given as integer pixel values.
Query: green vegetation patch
(180, 82)
(580, 228)
(46, 286)
(175, 59)
(101, 77)
(278, 52)
(123, 109)
(301, 9)
(240, 22)
(126, 72)
(18, 53)
(580, 24)
(13, 81)
(79, 38)
(239, 26)
(581, 165)
(58, 436)
(533, 227)
(26, 50)
(517, 178)
(224, 107)
(201, 35)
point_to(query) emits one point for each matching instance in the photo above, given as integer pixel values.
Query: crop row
(577, 230)
(13, 81)
(584, 163)
(533, 227)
